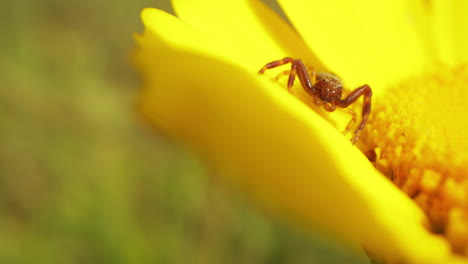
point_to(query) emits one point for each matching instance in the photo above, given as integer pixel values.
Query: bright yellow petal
(247, 28)
(461, 29)
(443, 31)
(283, 154)
(364, 41)
(178, 35)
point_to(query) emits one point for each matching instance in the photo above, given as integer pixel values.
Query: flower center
(418, 137)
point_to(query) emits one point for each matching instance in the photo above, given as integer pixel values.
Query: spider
(326, 89)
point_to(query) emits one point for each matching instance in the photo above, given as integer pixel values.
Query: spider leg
(366, 92)
(307, 80)
(282, 74)
(306, 76)
(275, 64)
(352, 121)
(292, 77)
(292, 72)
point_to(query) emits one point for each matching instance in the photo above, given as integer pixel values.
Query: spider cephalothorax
(329, 87)
(326, 89)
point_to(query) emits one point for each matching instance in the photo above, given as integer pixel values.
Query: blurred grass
(82, 181)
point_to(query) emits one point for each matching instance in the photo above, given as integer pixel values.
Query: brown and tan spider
(326, 89)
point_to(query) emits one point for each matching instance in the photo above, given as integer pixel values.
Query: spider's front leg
(275, 64)
(281, 62)
(366, 92)
(297, 68)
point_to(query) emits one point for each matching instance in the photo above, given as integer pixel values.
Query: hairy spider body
(327, 89)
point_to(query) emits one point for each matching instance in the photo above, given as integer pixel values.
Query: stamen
(418, 133)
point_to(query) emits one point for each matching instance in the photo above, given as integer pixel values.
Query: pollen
(419, 134)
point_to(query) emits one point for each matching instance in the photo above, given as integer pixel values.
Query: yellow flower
(201, 87)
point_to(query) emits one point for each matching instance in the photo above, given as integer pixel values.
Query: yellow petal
(363, 41)
(461, 29)
(177, 35)
(442, 27)
(246, 28)
(280, 152)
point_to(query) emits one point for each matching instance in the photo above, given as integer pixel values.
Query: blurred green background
(83, 181)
